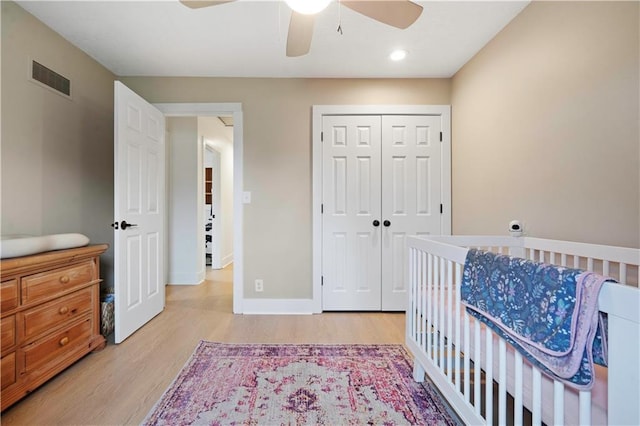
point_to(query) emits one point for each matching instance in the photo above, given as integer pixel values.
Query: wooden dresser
(50, 308)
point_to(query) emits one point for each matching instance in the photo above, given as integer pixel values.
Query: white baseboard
(277, 306)
(227, 260)
(186, 278)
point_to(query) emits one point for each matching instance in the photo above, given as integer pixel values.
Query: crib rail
(620, 263)
(471, 365)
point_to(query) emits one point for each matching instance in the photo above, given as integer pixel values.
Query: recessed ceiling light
(398, 55)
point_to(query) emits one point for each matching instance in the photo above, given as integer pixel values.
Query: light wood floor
(120, 384)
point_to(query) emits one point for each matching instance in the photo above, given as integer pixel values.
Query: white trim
(216, 109)
(187, 278)
(444, 111)
(278, 306)
(227, 260)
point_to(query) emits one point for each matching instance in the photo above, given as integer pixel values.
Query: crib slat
(585, 408)
(441, 322)
(411, 311)
(519, 383)
(449, 332)
(466, 361)
(436, 308)
(420, 321)
(457, 314)
(423, 320)
(558, 403)
(488, 374)
(536, 409)
(476, 367)
(502, 383)
(623, 273)
(429, 290)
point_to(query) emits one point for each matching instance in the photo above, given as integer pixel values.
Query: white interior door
(381, 181)
(216, 246)
(351, 203)
(411, 195)
(139, 211)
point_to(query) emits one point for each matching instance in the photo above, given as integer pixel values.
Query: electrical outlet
(259, 285)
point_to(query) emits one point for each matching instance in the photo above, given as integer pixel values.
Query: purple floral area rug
(228, 384)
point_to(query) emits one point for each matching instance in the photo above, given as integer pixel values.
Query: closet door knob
(386, 223)
(124, 225)
(376, 223)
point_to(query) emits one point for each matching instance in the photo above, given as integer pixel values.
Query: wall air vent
(50, 78)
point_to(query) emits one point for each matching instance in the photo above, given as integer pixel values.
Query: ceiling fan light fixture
(398, 55)
(308, 7)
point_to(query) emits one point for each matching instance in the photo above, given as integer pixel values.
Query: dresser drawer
(40, 286)
(8, 329)
(52, 314)
(8, 295)
(57, 345)
(8, 368)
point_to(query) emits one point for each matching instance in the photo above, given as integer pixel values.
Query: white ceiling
(248, 38)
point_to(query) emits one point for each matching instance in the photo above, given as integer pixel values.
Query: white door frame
(443, 111)
(215, 110)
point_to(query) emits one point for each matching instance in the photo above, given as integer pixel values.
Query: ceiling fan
(397, 13)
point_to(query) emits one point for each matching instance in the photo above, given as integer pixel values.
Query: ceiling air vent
(51, 78)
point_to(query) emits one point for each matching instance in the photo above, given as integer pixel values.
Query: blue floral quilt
(548, 313)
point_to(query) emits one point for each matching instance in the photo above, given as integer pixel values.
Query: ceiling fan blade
(300, 34)
(197, 4)
(397, 13)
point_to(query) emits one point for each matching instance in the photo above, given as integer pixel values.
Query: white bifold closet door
(381, 182)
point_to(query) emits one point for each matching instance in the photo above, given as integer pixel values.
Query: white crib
(449, 345)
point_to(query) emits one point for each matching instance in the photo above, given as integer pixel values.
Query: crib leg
(418, 372)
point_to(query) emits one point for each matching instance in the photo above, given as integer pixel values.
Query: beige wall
(57, 153)
(185, 242)
(545, 126)
(277, 158)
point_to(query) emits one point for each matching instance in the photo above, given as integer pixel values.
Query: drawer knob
(64, 279)
(63, 310)
(64, 341)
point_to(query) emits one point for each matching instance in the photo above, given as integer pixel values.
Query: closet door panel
(351, 184)
(411, 195)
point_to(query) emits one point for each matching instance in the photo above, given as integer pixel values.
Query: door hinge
(321, 280)
(321, 208)
(441, 208)
(321, 136)
(440, 136)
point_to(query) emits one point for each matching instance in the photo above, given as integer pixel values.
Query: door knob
(386, 223)
(125, 225)
(376, 223)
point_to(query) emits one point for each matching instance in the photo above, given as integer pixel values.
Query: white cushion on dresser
(24, 245)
